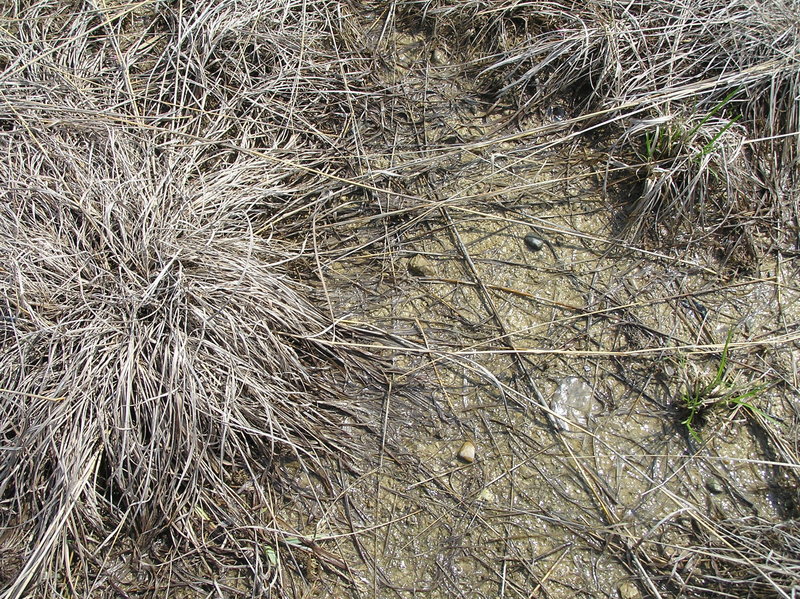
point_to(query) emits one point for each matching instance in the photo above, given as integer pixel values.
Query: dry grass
(184, 183)
(159, 355)
(699, 97)
(157, 351)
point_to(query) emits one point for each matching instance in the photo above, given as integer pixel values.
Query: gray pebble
(534, 242)
(556, 113)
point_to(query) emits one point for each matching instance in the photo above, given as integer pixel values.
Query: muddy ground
(576, 405)
(533, 330)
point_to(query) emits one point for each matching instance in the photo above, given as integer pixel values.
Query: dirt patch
(565, 355)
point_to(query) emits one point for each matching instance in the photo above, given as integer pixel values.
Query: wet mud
(527, 327)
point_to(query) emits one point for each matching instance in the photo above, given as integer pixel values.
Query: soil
(566, 365)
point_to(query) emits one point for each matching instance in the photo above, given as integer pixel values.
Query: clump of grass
(608, 55)
(700, 396)
(697, 99)
(686, 163)
(158, 354)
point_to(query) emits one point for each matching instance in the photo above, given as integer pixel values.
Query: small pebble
(557, 113)
(420, 266)
(534, 242)
(467, 452)
(438, 57)
(486, 495)
(628, 590)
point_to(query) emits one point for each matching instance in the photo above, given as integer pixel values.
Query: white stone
(572, 404)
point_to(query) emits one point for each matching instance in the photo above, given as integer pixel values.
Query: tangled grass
(168, 168)
(700, 98)
(159, 352)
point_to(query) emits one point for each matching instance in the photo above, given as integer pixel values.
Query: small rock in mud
(534, 242)
(628, 590)
(714, 487)
(467, 452)
(420, 266)
(556, 113)
(572, 403)
(438, 57)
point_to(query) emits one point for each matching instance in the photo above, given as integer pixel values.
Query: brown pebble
(467, 452)
(420, 266)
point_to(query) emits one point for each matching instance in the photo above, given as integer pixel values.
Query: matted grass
(202, 201)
